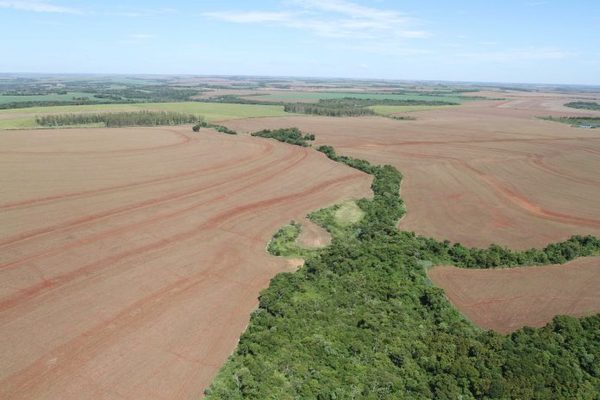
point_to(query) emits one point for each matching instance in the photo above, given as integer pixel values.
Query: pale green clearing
(24, 118)
(348, 213)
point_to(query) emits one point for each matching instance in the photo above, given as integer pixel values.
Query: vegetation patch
(362, 320)
(348, 213)
(350, 106)
(584, 105)
(218, 128)
(114, 120)
(577, 122)
(284, 243)
(287, 135)
(212, 112)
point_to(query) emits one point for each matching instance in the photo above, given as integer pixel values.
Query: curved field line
(185, 139)
(156, 218)
(34, 291)
(116, 211)
(268, 148)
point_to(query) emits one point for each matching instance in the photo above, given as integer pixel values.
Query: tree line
(362, 320)
(119, 119)
(353, 107)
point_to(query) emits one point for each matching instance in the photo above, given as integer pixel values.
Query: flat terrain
(130, 259)
(508, 299)
(24, 118)
(480, 173)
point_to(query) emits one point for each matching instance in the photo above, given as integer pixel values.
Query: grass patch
(349, 213)
(212, 112)
(284, 243)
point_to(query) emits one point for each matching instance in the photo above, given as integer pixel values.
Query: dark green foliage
(578, 122)
(218, 128)
(361, 320)
(111, 120)
(287, 135)
(352, 107)
(584, 105)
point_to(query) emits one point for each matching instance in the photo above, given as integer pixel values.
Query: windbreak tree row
(121, 119)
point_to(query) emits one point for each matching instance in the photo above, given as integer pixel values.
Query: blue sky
(541, 41)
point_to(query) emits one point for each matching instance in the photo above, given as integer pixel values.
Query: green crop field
(23, 118)
(4, 99)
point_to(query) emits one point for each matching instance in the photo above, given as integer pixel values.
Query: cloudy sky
(541, 41)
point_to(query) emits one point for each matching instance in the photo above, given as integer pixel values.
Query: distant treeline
(578, 122)
(111, 120)
(287, 135)
(584, 105)
(352, 107)
(43, 103)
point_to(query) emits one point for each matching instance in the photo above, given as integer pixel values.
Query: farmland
(508, 299)
(153, 240)
(25, 118)
(527, 184)
(304, 96)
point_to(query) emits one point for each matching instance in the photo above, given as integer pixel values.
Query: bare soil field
(507, 299)
(131, 259)
(480, 173)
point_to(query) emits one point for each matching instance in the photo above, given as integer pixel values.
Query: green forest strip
(584, 105)
(577, 122)
(287, 135)
(361, 320)
(115, 120)
(353, 107)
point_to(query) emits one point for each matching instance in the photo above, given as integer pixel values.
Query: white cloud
(37, 6)
(331, 18)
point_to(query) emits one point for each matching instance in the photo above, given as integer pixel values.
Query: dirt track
(508, 299)
(130, 259)
(480, 173)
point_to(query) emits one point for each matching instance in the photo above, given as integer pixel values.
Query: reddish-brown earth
(481, 173)
(130, 259)
(508, 299)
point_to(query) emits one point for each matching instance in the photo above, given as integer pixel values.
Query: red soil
(481, 173)
(312, 235)
(508, 299)
(130, 259)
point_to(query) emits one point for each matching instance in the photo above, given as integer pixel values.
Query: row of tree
(119, 119)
